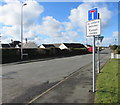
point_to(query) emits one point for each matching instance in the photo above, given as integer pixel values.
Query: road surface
(22, 82)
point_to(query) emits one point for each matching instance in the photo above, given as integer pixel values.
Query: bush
(10, 55)
(79, 51)
(14, 54)
(118, 47)
(117, 50)
(113, 47)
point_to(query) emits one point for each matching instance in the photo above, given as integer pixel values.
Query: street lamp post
(22, 30)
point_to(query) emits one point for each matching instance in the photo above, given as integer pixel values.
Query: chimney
(26, 40)
(11, 40)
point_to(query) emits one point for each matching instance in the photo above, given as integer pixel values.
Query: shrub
(113, 47)
(14, 54)
(117, 50)
(10, 55)
(118, 47)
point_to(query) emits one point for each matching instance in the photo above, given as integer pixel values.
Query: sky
(56, 22)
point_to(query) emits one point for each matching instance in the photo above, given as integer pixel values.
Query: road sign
(93, 27)
(99, 38)
(93, 14)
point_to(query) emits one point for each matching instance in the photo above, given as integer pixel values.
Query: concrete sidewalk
(73, 90)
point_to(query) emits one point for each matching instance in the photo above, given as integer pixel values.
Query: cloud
(50, 27)
(107, 41)
(105, 15)
(68, 26)
(116, 37)
(116, 34)
(53, 30)
(9, 1)
(13, 32)
(78, 16)
(10, 14)
(32, 12)
(30, 35)
(10, 17)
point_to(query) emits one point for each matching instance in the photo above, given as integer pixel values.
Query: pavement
(24, 81)
(73, 90)
(76, 89)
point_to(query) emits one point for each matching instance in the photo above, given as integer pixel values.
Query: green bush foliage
(113, 47)
(117, 50)
(13, 54)
(10, 55)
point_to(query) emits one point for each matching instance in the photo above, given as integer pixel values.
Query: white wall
(117, 56)
(17, 46)
(41, 46)
(62, 46)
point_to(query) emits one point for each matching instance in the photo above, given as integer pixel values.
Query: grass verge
(107, 84)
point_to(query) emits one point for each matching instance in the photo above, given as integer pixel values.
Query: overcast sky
(56, 22)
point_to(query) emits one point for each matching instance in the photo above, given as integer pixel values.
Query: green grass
(107, 83)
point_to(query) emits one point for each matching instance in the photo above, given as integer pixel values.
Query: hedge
(115, 49)
(13, 54)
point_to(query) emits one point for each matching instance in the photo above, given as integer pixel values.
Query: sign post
(93, 63)
(93, 29)
(98, 63)
(99, 39)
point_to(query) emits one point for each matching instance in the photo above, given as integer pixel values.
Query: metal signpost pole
(93, 63)
(98, 63)
(100, 38)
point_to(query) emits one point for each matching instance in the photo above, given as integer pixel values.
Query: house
(4, 46)
(71, 45)
(13, 44)
(29, 45)
(87, 46)
(57, 45)
(47, 46)
(18, 46)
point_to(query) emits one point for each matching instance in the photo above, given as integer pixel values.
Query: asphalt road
(22, 82)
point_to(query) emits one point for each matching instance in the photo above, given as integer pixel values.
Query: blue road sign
(93, 14)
